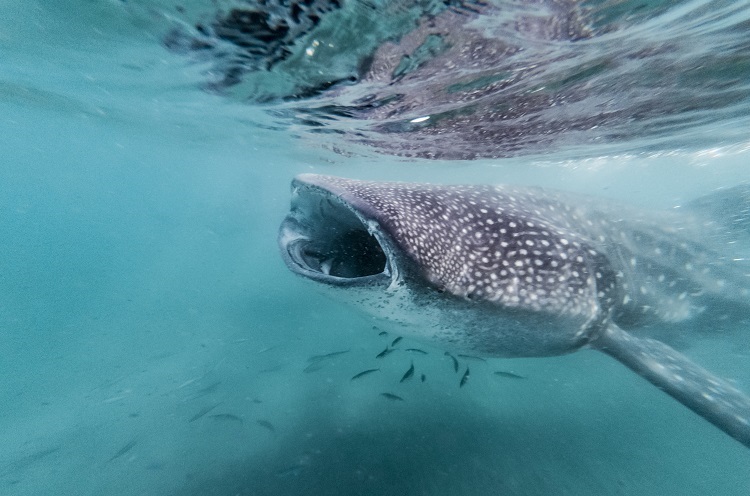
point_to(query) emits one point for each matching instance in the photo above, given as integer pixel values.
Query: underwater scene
(374, 247)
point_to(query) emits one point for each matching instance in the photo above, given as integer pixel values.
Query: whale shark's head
(477, 267)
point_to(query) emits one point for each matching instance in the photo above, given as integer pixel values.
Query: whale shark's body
(509, 271)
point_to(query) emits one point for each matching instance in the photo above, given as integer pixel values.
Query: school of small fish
(211, 413)
(391, 346)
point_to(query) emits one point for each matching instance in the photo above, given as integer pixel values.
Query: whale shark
(510, 271)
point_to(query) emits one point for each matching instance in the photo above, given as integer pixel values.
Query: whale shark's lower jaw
(328, 241)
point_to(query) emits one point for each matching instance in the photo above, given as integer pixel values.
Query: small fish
(124, 449)
(391, 396)
(382, 333)
(509, 375)
(416, 350)
(203, 411)
(396, 341)
(317, 358)
(189, 382)
(226, 417)
(314, 367)
(424, 377)
(22, 463)
(464, 378)
(385, 352)
(472, 357)
(210, 389)
(114, 398)
(268, 425)
(407, 375)
(364, 373)
(455, 361)
(42, 453)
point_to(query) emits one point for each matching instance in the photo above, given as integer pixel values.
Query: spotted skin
(516, 271)
(547, 250)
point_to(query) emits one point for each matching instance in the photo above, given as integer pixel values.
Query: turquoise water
(153, 341)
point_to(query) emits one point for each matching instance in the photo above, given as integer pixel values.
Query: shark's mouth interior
(322, 238)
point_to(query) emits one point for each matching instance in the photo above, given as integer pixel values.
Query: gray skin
(503, 271)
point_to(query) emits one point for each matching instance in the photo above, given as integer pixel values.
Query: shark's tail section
(730, 208)
(707, 395)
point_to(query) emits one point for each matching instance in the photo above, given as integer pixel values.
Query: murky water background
(153, 342)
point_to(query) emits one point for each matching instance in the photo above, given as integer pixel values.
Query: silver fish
(327, 356)
(203, 411)
(124, 449)
(509, 375)
(464, 378)
(408, 374)
(230, 417)
(363, 373)
(392, 396)
(454, 360)
(387, 351)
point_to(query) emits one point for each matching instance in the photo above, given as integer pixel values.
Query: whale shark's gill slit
(330, 240)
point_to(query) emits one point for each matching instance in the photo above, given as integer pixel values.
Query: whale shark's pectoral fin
(707, 395)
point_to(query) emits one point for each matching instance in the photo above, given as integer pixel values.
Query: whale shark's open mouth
(328, 240)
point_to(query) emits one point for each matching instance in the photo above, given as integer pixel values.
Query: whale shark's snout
(327, 239)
